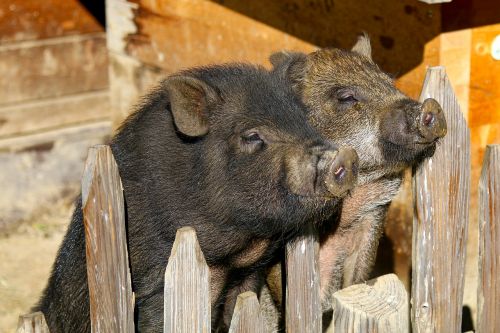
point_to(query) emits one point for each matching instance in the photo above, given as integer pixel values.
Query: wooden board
(488, 293)
(129, 80)
(180, 34)
(22, 20)
(108, 273)
(51, 68)
(441, 215)
(49, 114)
(186, 306)
(38, 141)
(303, 297)
(247, 317)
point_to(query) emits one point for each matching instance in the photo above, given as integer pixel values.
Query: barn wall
(54, 102)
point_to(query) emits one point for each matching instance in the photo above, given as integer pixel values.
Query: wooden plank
(53, 67)
(485, 77)
(129, 79)
(110, 291)
(180, 34)
(454, 55)
(303, 300)
(33, 19)
(441, 199)
(488, 294)
(377, 306)
(187, 286)
(247, 317)
(53, 113)
(32, 323)
(433, 2)
(99, 129)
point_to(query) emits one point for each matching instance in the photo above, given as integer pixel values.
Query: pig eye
(252, 138)
(347, 98)
(251, 142)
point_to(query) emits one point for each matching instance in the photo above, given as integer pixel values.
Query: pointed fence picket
(488, 293)
(441, 215)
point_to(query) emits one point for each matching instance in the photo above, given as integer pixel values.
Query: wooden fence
(441, 201)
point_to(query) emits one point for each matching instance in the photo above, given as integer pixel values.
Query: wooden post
(111, 299)
(303, 303)
(187, 283)
(377, 306)
(32, 323)
(441, 215)
(247, 317)
(488, 293)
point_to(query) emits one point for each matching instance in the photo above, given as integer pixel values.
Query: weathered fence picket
(488, 293)
(303, 302)
(110, 291)
(441, 195)
(247, 317)
(32, 323)
(377, 306)
(187, 286)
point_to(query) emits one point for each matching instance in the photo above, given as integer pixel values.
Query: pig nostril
(340, 173)
(428, 119)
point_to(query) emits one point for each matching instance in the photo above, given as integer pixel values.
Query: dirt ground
(26, 256)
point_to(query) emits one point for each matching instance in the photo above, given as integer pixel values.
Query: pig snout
(431, 122)
(338, 171)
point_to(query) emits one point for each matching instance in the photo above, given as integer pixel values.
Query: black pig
(352, 102)
(227, 150)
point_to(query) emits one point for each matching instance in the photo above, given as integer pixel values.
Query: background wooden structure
(56, 99)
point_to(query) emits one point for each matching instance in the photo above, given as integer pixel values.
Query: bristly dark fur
(172, 180)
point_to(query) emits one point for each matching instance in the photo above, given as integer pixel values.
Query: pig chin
(408, 154)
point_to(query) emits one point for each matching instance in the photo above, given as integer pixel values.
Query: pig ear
(290, 64)
(363, 46)
(190, 99)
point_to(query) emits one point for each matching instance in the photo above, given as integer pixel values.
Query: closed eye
(252, 138)
(347, 99)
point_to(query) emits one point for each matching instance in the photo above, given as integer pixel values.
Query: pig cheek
(300, 175)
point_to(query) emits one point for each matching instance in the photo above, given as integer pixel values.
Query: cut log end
(379, 305)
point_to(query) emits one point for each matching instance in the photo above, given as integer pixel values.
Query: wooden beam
(22, 20)
(53, 113)
(53, 67)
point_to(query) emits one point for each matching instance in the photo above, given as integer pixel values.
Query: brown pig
(352, 102)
